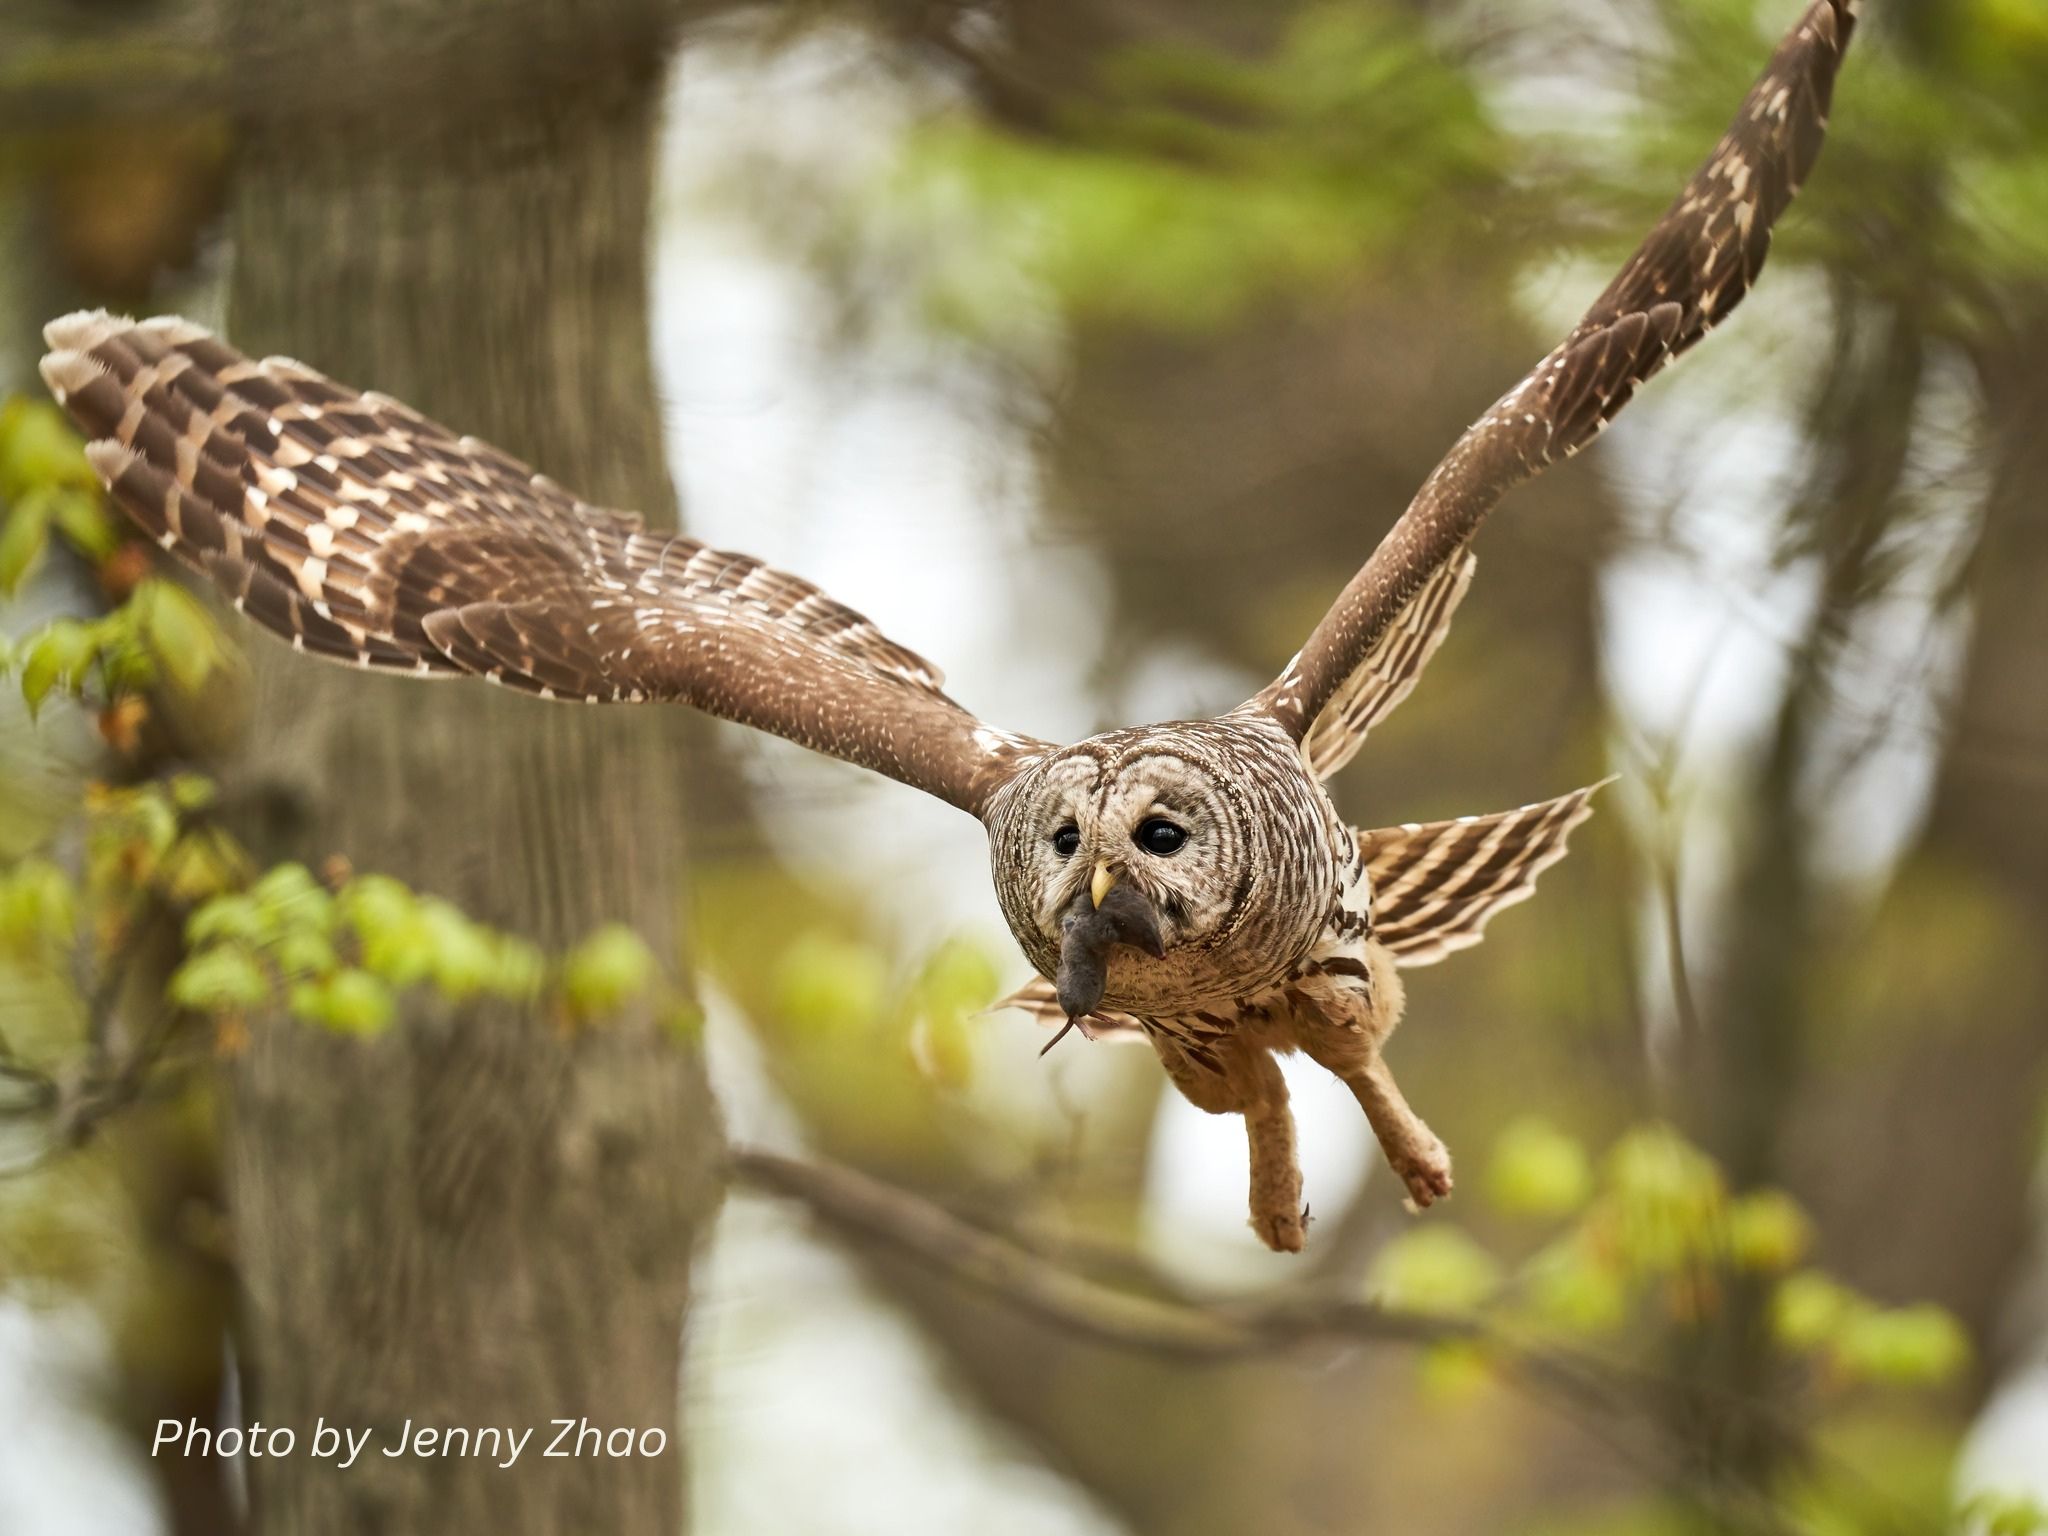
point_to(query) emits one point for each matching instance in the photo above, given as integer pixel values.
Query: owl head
(1202, 850)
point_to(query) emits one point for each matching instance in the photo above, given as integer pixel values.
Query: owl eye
(1158, 835)
(1067, 841)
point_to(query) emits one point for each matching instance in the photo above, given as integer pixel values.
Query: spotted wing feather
(1390, 669)
(363, 532)
(1689, 273)
(1436, 885)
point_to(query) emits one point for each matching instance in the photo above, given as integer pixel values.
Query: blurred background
(1088, 346)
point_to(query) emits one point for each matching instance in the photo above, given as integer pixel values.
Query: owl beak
(1100, 886)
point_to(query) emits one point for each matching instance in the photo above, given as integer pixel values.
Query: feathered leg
(1246, 1081)
(1349, 1046)
(1412, 1148)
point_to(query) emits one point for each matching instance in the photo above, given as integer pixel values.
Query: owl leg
(1246, 1081)
(1351, 1050)
(1412, 1148)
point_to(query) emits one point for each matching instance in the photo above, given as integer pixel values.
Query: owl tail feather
(1435, 885)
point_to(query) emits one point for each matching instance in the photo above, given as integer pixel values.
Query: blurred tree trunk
(1959, 960)
(479, 1218)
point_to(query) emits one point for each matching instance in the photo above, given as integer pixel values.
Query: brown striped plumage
(1255, 922)
(1437, 884)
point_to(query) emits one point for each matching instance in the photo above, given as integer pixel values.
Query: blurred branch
(1612, 1395)
(870, 1210)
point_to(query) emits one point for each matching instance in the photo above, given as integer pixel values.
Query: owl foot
(1412, 1148)
(1425, 1168)
(1282, 1231)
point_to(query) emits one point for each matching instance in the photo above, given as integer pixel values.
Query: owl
(1188, 884)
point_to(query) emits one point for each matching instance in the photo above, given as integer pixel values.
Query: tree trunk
(478, 1219)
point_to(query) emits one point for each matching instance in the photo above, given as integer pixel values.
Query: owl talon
(1284, 1233)
(1426, 1170)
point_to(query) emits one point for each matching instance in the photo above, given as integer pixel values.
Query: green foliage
(225, 978)
(1537, 1171)
(828, 984)
(38, 910)
(956, 985)
(342, 958)
(1435, 1269)
(1658, 1237)
(348, 1001)
(1197, 182)
(606, 971)
(46, 486)
(2003, 1514)
(1858, 1340)
(160, 630)
(1768, 1232)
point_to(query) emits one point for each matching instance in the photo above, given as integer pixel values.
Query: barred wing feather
(1436, 885)
(363, 532)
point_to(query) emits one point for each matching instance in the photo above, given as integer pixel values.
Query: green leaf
(463, 958)
(58, 655)
(1809, 1308)
(519, 971)
(81, 516)
(191, 791)
(39, 448)
(38, 908)
(371, 904)
(304, 952)
(287, 897)
(230, 917)
(959, 979)
(180, 633)
(350, 1002)
(1569, 1285)
(1538, 1171)
(1455, 1370)
(1436, 1270)
(224, 979)
(825, 983)
(1768, 1231)
(1669, 1198)
(1903, 1346)
(201, 865)
(402, 952)
(23, 535)
(606, 971)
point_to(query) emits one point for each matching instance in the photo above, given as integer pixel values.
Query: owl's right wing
(1688, 274)
(361, 531)
(1390, 670)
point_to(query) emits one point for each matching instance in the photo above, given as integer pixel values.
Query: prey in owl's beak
(1108, 913)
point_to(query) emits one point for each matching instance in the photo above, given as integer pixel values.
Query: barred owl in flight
(1189, 884)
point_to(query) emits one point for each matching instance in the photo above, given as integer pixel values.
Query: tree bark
(479, 1218)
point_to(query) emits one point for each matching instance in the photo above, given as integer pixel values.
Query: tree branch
(1612, 1396)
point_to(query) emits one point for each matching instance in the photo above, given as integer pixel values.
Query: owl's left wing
(1437, 884)
(363, 532)
(1692, 269)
